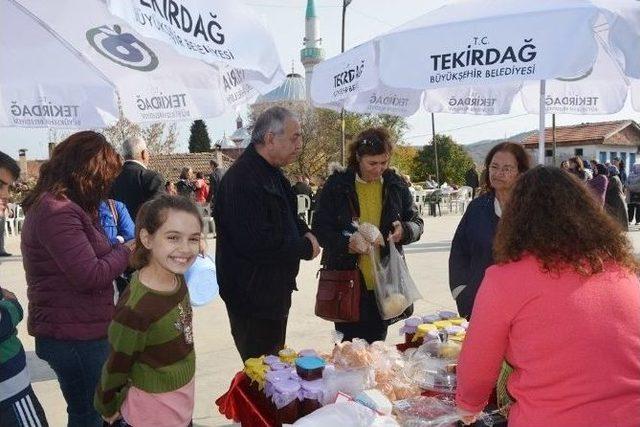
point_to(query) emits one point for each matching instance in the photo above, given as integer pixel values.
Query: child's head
(167, 233)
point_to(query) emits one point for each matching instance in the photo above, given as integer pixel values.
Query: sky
(365, 19)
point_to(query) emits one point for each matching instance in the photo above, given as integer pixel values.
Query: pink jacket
(573, 341)
(70, 268)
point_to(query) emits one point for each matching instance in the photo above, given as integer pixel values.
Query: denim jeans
(78, 365)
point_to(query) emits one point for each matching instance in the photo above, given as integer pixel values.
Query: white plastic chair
(462, 199)
(18, 218)
(208, 225)
(418, 198)
(10, 219)
(304, 205)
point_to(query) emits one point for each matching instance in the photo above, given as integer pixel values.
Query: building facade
(601, 141)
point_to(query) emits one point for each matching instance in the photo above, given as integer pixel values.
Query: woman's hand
(398, 232)
(358, 244)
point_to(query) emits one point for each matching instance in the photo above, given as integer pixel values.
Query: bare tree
(161, 139)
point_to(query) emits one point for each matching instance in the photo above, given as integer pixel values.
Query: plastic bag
(346, 414)
(432, 366)
(349, 382)
(394, 288)
(201, 281)
(425, 411)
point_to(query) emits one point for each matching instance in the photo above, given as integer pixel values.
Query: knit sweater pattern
(370, 201)
(151, 338)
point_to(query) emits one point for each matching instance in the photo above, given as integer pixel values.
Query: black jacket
(135, 185)
(472, 250)
(260, 240)
(333, 216)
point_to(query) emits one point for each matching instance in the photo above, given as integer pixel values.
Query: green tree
(453, 161)
(404, 159)
(199, 141)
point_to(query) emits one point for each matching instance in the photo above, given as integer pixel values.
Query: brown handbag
(338, 297)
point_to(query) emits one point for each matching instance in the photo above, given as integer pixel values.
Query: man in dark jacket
(214, 179)
(136, 184)
(472, 180)
(260, 240)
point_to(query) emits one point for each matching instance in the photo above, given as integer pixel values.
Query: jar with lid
(409, 328)
(312, 392)
(286, 401)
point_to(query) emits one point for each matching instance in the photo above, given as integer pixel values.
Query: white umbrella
(224, 33)
(66, 64)
(474, 57)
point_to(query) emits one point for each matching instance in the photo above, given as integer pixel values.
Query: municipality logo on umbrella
(122, 48)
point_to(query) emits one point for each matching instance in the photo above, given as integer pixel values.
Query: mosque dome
(293, 89)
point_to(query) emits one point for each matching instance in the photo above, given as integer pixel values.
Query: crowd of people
(539, 261)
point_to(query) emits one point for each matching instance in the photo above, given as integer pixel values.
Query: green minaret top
(311, 9)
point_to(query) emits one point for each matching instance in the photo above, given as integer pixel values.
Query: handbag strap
(112, 208)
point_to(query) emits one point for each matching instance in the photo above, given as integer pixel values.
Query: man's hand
(314, 244)
(7, 294)
(398, 232)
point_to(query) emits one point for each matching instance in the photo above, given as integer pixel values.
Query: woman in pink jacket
(70, 267)
(562, 306)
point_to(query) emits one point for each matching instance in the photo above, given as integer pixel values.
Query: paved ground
(217, 359)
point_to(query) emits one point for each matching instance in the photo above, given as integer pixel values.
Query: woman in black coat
(370, 192)
(472, 246)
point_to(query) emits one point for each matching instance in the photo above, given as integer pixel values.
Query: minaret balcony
(311, 53)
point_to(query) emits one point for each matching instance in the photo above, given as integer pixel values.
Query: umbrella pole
(541, 126)
(435, 147)
(342, 139)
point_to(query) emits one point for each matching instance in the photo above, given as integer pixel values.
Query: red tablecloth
(242, 406)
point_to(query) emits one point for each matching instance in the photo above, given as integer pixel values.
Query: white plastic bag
(201, 281)
(395, 290)
(346, 414)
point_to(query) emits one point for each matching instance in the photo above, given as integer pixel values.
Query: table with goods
(412, 383)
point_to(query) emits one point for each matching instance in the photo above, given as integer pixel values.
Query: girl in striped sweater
(148, 379)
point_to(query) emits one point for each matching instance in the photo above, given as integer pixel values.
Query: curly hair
(552, 216)
(517, 150)
(82, 168)
(369, 142)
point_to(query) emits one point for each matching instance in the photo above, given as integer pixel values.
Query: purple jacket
(598, 185)
(70, 268)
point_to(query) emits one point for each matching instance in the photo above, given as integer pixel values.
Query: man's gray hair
(271, 120)
(133, 147)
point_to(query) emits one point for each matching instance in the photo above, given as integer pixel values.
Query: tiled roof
(170, 165)
(588, 133)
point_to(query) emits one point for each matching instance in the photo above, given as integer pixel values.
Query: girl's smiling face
(176, 243)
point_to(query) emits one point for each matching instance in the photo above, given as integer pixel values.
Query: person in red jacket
(563, 312)
(70, 267)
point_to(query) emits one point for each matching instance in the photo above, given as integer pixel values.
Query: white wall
(590, 152)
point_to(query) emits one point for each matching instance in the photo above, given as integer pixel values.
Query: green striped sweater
(151, 340)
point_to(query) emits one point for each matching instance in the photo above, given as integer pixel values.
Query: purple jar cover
(285, 392)
(312, 389)
(272, 378)
(308, 352)
(445, 314)
(430, 318)
(270, 359)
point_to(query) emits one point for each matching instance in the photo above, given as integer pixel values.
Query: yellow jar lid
(457, 321)
(441, 324)
(457, 338)
(426, 327)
